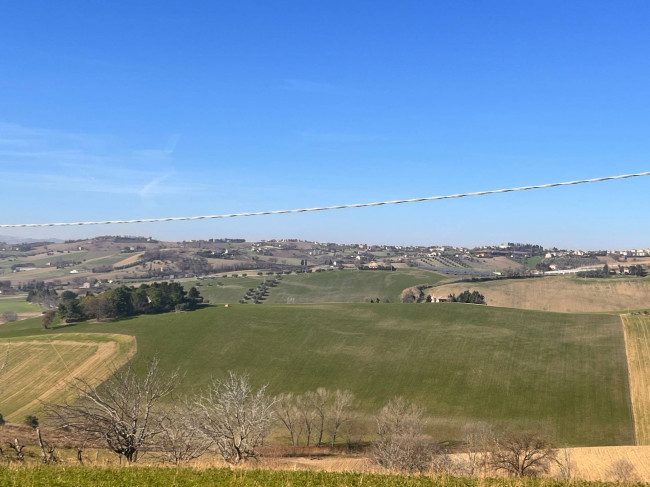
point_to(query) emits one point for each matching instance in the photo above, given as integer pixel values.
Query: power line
(325, 208)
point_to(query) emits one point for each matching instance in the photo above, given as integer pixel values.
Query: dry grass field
(600, 463)
(560, 294)
(129, 260)
(637, 343)
(38, 368)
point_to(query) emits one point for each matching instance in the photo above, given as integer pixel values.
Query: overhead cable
(324, 208)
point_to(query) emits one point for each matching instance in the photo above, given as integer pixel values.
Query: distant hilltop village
(104, 261)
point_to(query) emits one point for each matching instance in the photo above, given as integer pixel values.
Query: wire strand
(325, 208)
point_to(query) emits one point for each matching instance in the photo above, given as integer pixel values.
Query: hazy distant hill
(14, 240)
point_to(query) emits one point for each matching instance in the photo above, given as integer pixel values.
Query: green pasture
(531, 262)
(228, 289)
(562, 375)
(319, 287)
(18, 305)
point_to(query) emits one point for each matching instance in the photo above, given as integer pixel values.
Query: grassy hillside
(561, 293)
(38, 367)
(348, 286)
(563, 375)
(18, 304)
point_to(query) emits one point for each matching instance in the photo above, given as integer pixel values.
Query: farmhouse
(435, 299)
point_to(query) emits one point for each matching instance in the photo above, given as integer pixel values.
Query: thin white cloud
(55, 160)
(153, 186)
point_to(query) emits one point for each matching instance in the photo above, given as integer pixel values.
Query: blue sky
(120, 110)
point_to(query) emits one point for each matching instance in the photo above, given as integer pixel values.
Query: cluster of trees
(473, 297)
(606, 271)
(315, 416)
(128, 415)
(39, 292)
(159, 297)
(261, 292)
(403, 446)
(6, 288)
(637, 270)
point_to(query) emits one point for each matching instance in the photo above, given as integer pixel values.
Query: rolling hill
(563, 375)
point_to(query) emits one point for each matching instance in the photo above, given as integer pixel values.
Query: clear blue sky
(119, 110)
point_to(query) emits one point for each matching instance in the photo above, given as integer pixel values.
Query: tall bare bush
(235, 417)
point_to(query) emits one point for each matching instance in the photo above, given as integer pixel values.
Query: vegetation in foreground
(151, 476)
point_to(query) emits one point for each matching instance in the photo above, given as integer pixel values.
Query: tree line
(123, 301)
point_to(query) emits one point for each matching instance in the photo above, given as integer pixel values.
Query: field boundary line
(626, 341)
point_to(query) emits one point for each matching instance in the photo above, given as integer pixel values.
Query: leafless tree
(479, 440)
(402, 445)
(565, 464)
(18, 448)
(9, 316)
(307, 415)
(622, 470)
(339, 412)
(47, 318)
(400, 417)
(235, 417)
(289, 415)
(120, 412)
(522, 455)
(181, 439)
(47, 451)
(320, 402)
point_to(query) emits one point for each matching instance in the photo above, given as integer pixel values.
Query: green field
(18, 305)
(531, 262)
(563, 375)
(347, 286)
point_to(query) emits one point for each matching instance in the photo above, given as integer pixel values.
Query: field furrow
(39, 368)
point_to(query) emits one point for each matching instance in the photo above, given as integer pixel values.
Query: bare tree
(235, 417)
(307, 414)
(289, 415)
(339, 413)
(479, 440)
(400, 417)
(402, 445)
(320, 402)
(18, 448)
(9, 316)
(120, 412)
(523, 455)
(181, 439)
(47, 318)
(565, 464)
(622, 470)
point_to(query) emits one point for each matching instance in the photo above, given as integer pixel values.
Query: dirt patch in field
(129, 260)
